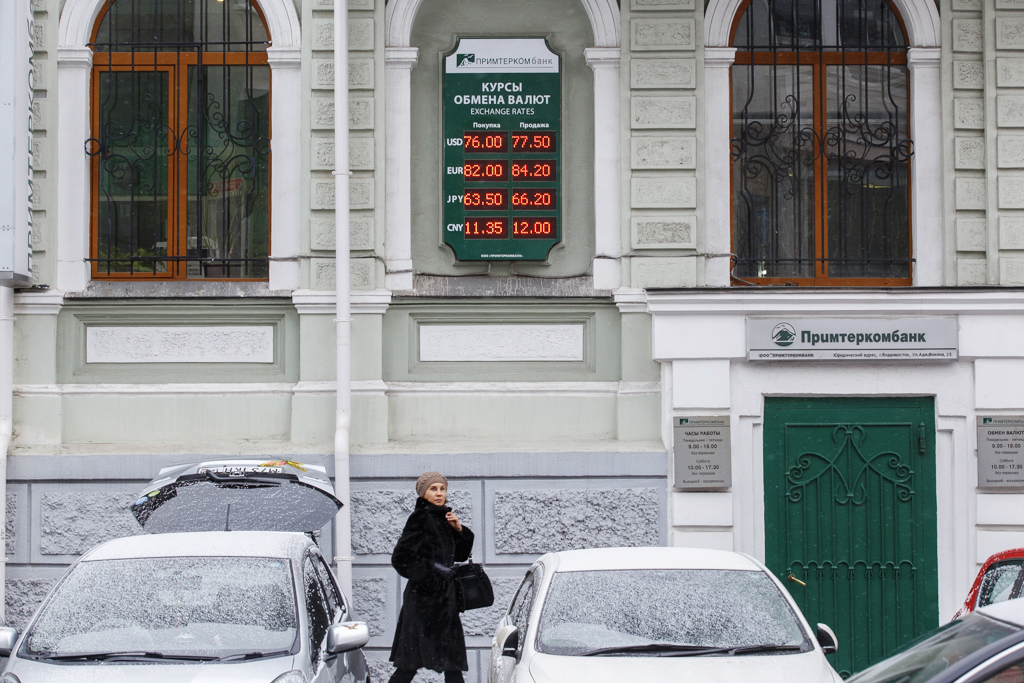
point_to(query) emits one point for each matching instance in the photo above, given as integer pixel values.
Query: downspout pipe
(343, 319)
(6, 417)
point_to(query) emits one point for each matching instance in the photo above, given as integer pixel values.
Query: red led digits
(533, 142)
(485, 200)
(492, 170)
(533, 200)
(533, 170)
(535, 228)
(483, 143)
(486, 228)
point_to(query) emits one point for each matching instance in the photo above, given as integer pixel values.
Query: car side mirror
(346, 636)
(510, 648)
(827, 639)
(8, 638)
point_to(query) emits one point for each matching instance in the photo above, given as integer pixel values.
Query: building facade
(662, 182)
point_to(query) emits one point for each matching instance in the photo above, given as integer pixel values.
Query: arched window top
(819, 24)
(177, 25)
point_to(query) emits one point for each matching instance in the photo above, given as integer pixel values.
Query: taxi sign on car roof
(237, 495)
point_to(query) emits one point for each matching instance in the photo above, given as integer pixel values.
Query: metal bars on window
(821, 144)
(180, 146)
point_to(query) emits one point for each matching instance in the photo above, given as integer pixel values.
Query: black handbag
(472, 586)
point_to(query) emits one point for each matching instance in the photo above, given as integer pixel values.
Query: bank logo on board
(466, 59)
(783, 334)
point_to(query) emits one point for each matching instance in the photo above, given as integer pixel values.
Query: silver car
(237, 605)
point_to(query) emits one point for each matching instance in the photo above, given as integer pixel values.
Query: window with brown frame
(180, 146)
(821, 144)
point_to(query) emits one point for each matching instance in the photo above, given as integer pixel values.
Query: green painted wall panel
(176, 418)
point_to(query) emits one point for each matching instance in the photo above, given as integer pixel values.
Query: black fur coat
(429, 632)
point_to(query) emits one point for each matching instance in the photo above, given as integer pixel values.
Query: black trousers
(406, 676)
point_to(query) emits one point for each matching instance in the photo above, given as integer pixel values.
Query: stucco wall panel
(378, 517)
(539, 521)
(71, 523)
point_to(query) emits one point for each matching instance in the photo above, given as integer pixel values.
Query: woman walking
(429, 632)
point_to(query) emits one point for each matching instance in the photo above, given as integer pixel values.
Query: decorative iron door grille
(821, 144)
(850, 512)
(180, 146)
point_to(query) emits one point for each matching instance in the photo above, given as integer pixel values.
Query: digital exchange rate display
(502, 181)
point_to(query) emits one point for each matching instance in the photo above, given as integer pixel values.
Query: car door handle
(793, 579)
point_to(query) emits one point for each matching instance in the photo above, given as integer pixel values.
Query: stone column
(717, 164)
(286, 76)
(607, 160)
(398, 65)
(926, 164)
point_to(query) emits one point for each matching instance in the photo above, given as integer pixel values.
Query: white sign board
(872, 339)
(1001, 451)
(703, 453)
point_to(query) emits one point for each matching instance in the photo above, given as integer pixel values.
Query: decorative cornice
(924, 56)
(868, 302)
(629, 300)
(38, 303)
(719, 57)
(603, 57)
(401, 57)
(323, 302)
(284, 57)
(74, 57)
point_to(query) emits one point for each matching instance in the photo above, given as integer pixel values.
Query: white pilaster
(74, 67)
(607, 159)
(717, 164)
(286, 82)
(398, 65)
(926, 164)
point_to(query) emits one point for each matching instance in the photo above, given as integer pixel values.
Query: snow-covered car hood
(256, 671)
(808, 667)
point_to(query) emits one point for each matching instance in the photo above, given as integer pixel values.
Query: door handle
(793, 579)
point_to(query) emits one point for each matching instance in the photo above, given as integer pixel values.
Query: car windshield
(593, 610)
(213, 606)
(937, 651)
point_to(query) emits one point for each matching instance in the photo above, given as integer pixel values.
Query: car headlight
(295, 676)
(9, 678)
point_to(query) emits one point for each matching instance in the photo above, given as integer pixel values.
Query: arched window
(821, 144)
(180, 146)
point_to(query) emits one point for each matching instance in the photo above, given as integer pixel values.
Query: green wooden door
(850, 512)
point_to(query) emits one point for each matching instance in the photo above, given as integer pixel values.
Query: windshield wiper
(657, 648)
(673, 650)
(253, 655)
(752, 649)
(107, 656)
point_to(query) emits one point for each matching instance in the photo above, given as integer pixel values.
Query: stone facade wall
(983, 77)
(366, 112)
(663, 74)
(519, 506)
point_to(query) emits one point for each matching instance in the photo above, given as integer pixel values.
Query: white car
(229, 585)
(656, 614)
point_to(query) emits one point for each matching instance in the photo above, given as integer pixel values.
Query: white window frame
(921, 19)
(74, 70)
(603, 58)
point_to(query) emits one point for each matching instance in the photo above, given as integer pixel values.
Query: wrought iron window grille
(180, 147)
(821, 148)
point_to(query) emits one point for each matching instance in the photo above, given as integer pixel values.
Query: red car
(1001, 578)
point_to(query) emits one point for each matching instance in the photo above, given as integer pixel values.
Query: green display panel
(502, 170)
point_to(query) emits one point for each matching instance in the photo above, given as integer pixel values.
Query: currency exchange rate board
(502, 171)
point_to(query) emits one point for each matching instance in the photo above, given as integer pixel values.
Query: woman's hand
(453, 520)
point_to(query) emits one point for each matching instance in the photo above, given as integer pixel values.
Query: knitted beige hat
(427, 479)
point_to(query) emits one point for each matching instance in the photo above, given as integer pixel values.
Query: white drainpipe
(343, 322)
(6, 416)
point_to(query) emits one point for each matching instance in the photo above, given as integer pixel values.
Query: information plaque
(502, 141)
(703, 453)
(1001, 451)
